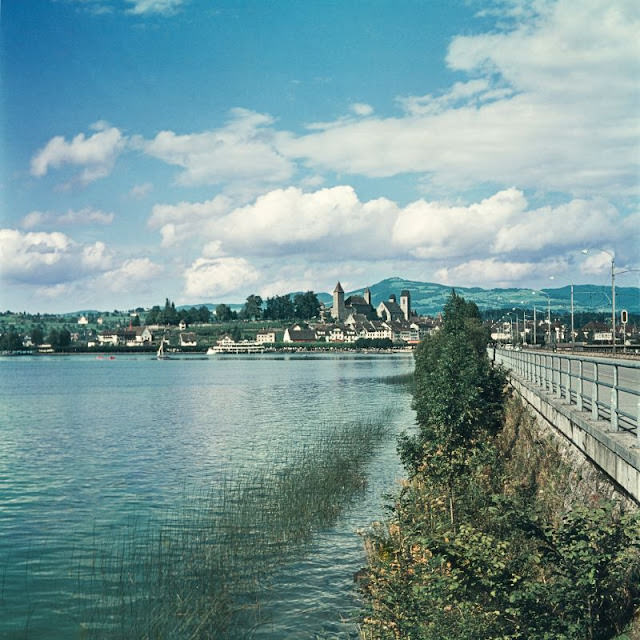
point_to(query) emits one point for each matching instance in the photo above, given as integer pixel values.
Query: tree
(306, 305)
(252, 309)
(204, 315)
(64, 338)
(153, 315)
(37, 336)
(458, 397)
(11, 341)
(53, 336)
(279, 308)
(223, 313)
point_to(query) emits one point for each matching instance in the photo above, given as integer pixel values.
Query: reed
(401, 379)
(204, 571)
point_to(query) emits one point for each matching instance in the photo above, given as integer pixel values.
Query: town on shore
(285, 322)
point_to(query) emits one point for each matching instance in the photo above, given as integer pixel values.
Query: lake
(93, 451)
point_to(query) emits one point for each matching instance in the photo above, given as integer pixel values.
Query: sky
(205, 150)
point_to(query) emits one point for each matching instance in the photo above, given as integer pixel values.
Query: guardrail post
(559, 387)
(579, 390)
(568, 390)
(594, 392)
(614, 399)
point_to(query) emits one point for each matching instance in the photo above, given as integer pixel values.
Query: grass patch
(205, 571)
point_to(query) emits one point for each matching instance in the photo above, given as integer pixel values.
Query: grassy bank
(205, 571)
(497, 533)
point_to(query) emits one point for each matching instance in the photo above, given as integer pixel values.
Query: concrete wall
(615, 453)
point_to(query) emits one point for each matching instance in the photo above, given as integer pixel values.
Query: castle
(360, 307)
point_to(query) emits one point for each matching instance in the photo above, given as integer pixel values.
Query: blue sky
(203, 150)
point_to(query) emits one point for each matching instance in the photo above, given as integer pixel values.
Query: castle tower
(405, 303)
(367, 295)
(337, 311)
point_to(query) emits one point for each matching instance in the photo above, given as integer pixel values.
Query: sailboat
(161, 355)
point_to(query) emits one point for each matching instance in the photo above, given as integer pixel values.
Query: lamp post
(573, 340)
(548, 314)
(508, 313)
(613, 295)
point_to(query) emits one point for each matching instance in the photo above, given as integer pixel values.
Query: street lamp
(508, 313)
(613, 295)
(548, 314)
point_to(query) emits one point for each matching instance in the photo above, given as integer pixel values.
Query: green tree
(306, 305)
(64, 338)
(252, 309)
(458, 397)
(11, 341)
(53, 337)
(223, 313)
(279, 308)
(153, 315)
(37, 335)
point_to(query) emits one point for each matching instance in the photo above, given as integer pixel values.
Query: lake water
(90, 448)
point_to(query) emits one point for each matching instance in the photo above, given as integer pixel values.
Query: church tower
(405, 303)
(337, 310)
(367, 295)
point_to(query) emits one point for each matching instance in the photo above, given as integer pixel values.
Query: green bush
(485, 540)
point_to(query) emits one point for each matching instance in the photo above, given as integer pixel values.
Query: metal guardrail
(608, 388)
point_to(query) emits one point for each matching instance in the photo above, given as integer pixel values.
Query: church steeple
(337, 310)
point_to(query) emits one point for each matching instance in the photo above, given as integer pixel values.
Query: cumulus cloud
(71, 217)
(243, 151)
(97, 153)
(181, 221)
(292, 221)
(48, 258)
(433, 229)
(130, 274)
(217, 277)
(499, 239)
(550, 103)
(498, 273)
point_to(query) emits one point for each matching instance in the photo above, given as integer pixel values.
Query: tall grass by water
(204, 571)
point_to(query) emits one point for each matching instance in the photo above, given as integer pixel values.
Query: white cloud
(165, 7)
(218, 277)
(571, 224)
(140, 191)
(439, 230)
(71, 217)
(98, 152)
(362, 109)
(243, 151)
(490, 272)
(48, 258)
(549, 104)
(131, 273)
(333, 221)
(97, 257)
(498, 241)
(291, 221)
(184, 220)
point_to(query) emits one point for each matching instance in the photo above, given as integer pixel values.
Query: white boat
(229, 345)
(161, 355)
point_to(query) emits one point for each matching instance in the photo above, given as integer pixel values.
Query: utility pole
(613, 304)
(573, 341)
(535, 335)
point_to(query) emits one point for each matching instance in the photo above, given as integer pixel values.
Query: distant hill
(428, 298)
